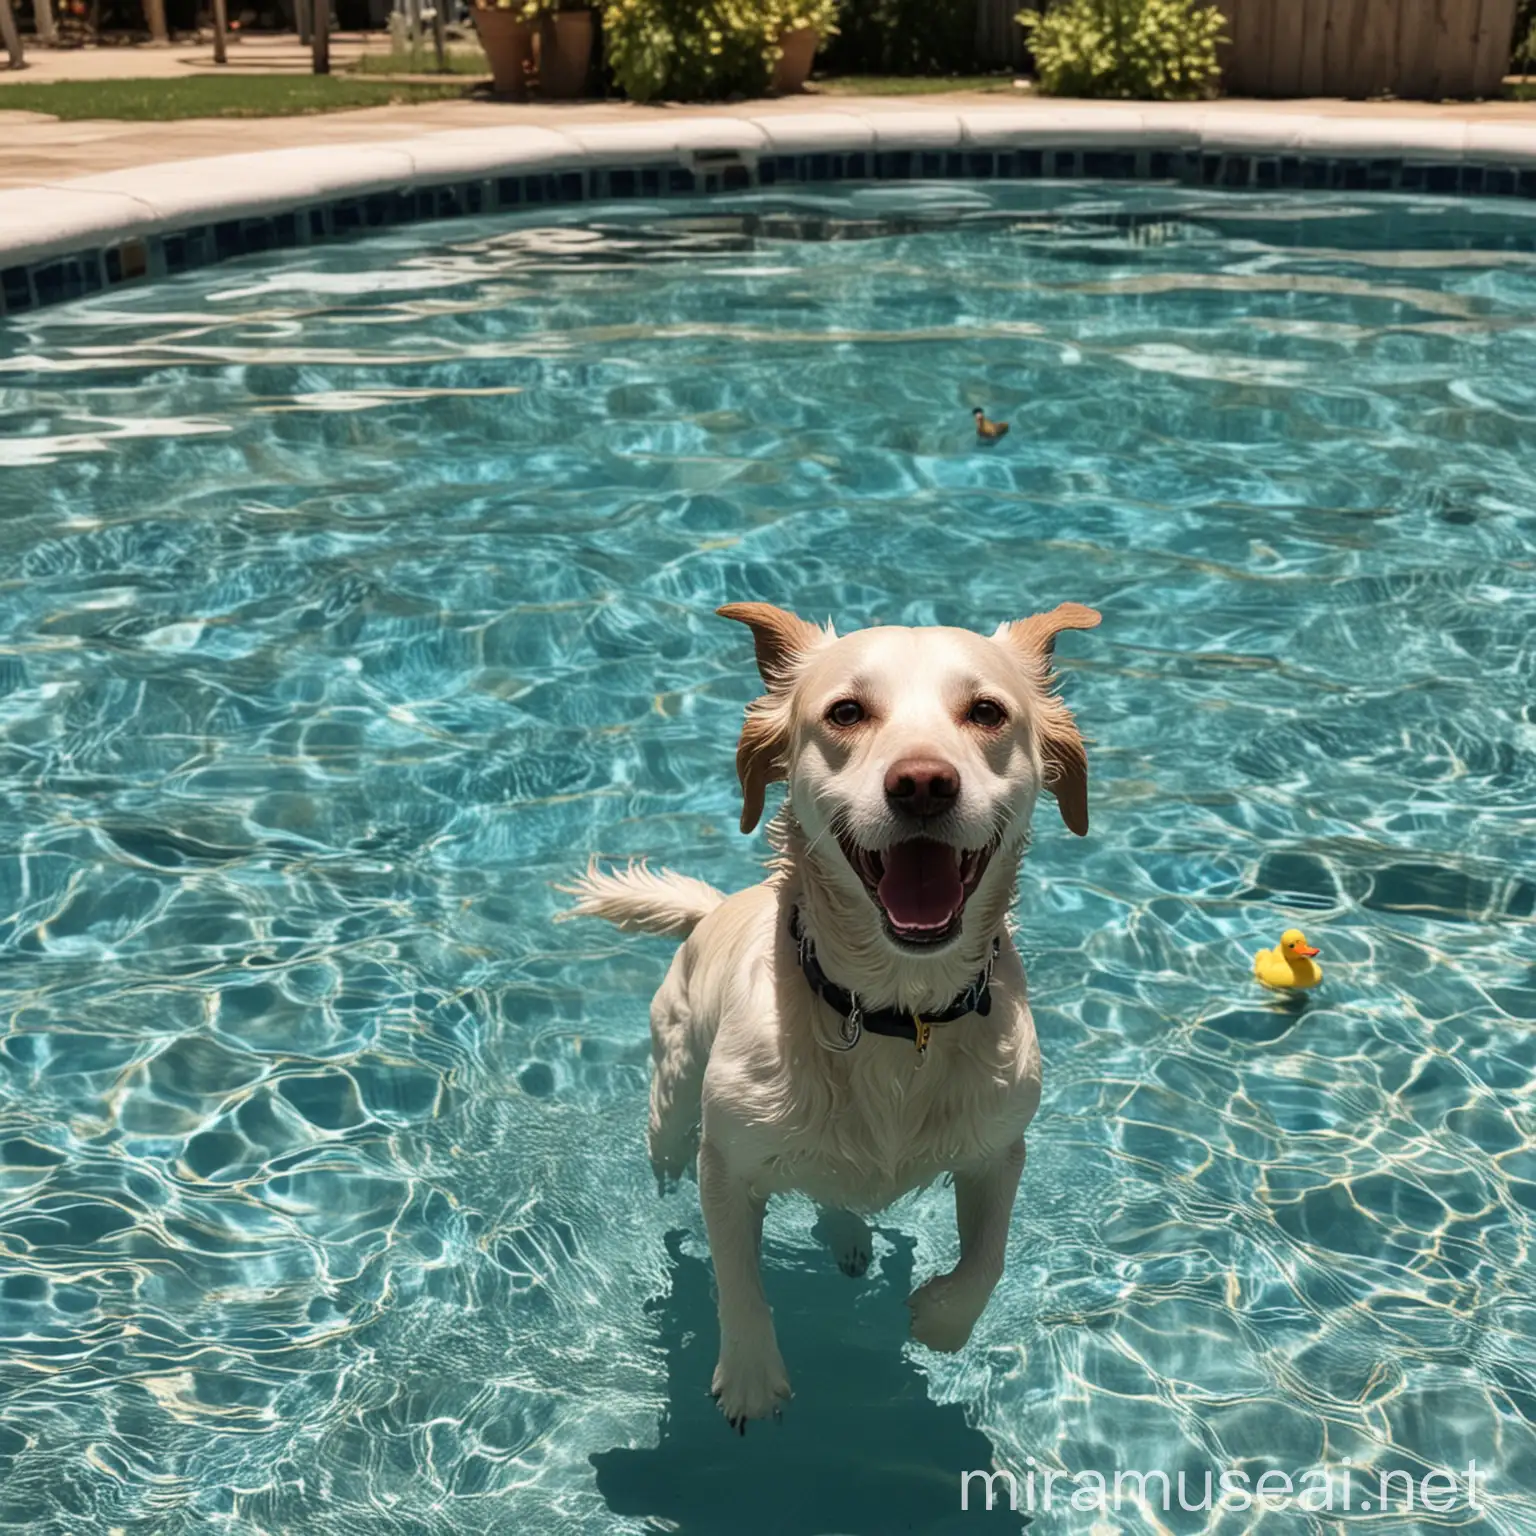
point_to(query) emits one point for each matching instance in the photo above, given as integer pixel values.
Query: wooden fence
(999, 38)
(1422, 50)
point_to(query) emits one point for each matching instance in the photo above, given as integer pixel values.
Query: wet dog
(858, 1025)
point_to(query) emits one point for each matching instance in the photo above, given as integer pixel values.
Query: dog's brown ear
(780, 639)
(778, 636)
(760, 757)
(1061, 747)
(1036, 635)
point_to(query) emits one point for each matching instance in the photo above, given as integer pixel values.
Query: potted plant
(564, 31)
(506, 33)
(713, 50)
(797, 30)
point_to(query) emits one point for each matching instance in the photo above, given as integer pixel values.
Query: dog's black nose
(922, 786)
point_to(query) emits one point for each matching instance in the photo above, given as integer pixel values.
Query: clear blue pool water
(349, 598)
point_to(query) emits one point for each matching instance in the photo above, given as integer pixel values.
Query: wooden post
(322, 31)
(11, 35)
(439, 41)
(42, 19)
(220, 27)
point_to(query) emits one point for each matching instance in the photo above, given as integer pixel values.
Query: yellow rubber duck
(1292, 966)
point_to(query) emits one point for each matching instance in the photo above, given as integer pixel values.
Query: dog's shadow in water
(861, 1451)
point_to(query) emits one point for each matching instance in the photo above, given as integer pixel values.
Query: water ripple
(352, 596)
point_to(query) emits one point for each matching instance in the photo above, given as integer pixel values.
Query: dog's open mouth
(921, 886)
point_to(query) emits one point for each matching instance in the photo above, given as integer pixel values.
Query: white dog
(858, 1024)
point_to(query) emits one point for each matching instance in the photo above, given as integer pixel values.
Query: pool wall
(94, 233)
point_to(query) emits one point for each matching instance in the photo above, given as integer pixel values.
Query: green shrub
(1140, 50)
(782, 16)
(702, 50)
(1524, 56)
(533, 10)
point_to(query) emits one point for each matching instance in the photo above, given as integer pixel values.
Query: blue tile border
(153, 256)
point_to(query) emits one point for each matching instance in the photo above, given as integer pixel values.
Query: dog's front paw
(944, 1311)
(750, 1383)
(849, 1239)
(854, 1260)
(669, 1164)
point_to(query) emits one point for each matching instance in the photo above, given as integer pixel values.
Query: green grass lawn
(215, 96)
(220, 95)
(909, 85)
(462, 59)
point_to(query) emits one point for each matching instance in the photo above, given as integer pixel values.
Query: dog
(858, 1024)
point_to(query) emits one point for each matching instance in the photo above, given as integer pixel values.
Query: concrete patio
(258, 54)
(43, 151)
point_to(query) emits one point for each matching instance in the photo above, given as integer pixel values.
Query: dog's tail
(639, 900)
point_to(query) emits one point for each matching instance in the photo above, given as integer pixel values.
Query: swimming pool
(351, 597)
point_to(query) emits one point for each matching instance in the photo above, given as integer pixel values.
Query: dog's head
(916, 754)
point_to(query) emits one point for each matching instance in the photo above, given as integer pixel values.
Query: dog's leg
(848, 1237)
(674, 1131)
(679, 1054)
(945, 1310)
(750, 1379)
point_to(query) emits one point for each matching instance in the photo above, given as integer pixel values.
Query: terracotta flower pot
(793, 68)
(508, 43)
(565, 54)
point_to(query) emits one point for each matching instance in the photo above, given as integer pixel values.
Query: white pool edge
(91, 213)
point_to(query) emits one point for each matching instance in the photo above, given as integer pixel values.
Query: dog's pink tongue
(921, 885)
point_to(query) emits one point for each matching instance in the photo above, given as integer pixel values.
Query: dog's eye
(987, 713)
(846, 712)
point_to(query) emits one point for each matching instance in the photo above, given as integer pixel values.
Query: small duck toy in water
(988, 431)
(1292, 966)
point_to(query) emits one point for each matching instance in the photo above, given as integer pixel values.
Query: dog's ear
(1036, 635)
(760, 756)
(1061, 747)
(780, 639)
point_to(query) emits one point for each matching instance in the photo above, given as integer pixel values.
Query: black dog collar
(894, 1022)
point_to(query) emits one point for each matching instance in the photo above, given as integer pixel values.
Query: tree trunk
(11, 35)
(322, 29)
(42, 19)
(301, 15)
(438, 41)
(220, 28)
(154, 14)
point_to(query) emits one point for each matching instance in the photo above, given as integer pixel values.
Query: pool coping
(66, 239)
